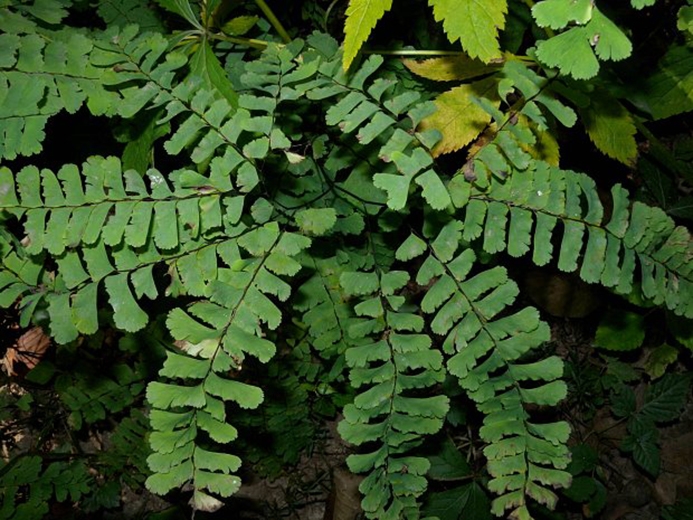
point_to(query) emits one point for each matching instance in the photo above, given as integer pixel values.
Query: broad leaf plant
(296, 188)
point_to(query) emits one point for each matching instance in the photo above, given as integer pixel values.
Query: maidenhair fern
(43, 72)
(310, 212)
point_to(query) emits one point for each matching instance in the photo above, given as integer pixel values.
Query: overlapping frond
(490, 349)
(215, 335)
(43, 72)
(635, 246)
(105, 225)
(380, 119)
(394, 366)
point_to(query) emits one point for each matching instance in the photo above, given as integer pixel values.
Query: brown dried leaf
(30, 348)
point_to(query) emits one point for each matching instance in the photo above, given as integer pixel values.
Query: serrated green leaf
(475, 24)
(665, 398)
(611, 128)
(448, 463)
(361, 18)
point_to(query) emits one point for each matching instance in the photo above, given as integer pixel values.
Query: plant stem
(250, 42)
(273, 20)
(411, 52)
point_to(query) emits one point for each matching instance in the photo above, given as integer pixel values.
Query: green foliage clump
(288, 214)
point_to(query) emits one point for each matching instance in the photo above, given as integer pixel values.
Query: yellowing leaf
(475, 23)
(659, 359)
(361, 17)
(458, 118)
(450, 68)
(545, 148)
(611, 128)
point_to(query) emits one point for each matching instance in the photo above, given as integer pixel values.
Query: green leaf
(666, 398)
(642, 442)
(684, 20)
(163, 396)
(181, 8)
(640, 4)
(62, 326)
(556, 14)
(669, 91)
(475, 24)
(611, 42)
(127, 314)
(620, 330)
(434, 190)
(397, 188)
(239, 25)
(571, 53)
(316, 221)
(213, 461)
(412, 247)
(468, 501)
(448, 463)
(611, 128)
(659, 359)
(361, 18)
(247, 396)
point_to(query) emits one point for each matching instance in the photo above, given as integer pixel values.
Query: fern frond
(392, 363)
(76, 208)
(325, 307)
(488, 349)
(518, 136)
(374, 113)
(232, 138)
(215, 335)
(637, 246)
(43, 72)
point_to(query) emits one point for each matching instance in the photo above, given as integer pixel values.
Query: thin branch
(271, 17)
